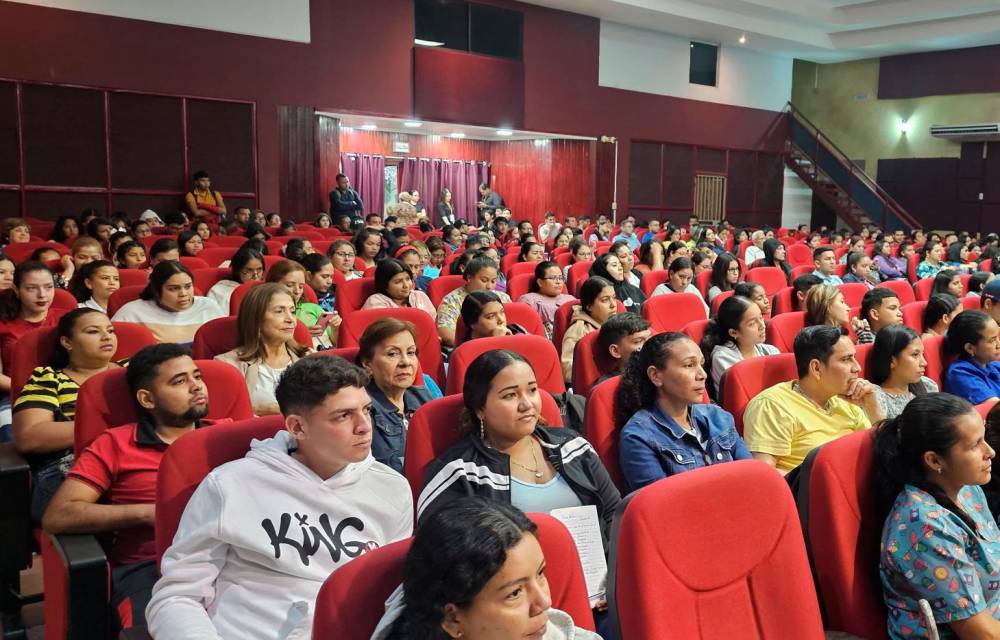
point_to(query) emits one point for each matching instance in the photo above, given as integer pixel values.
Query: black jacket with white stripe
(470, 468)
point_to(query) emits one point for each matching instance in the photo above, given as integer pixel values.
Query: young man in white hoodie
(261, 534)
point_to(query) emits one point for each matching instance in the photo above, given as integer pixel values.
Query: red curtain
(430, 176)
(367, 176)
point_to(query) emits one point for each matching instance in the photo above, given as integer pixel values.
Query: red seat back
(800, 254)
(521, 268)
(205, 279)
(194, 263)
(214, 256)
(703, 281)
(672, 311)
(440, 287)
(240, 292)
(922, 288)
(519, 285)
(845, 530)
(653, 279)
(600, 429)
(771, 278)
(352, 295)
(435, 427)
(853, 292)
(696, 330)
(782, 329)
(362, 585)
(801, 270)
(783, 302)
(233, 242)
(121, 297)
(517, 313)
(561, 322)
(578, 274)
(719, 585)
(911, 266)
(104, 400)
(428, 342)
(189, 459)
(913, 315)
(719, 299)
(589, 363)
(133, 277)
(984, 408)
(937, 359)
(63, 300)
(543, 355)
(745, 379)
(903, 289)
(19, 252)
(36, 347)
(218, 336)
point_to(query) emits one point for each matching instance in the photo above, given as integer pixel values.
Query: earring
(482, 430)
(940, 470)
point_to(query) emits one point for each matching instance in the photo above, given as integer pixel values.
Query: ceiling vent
(967, 132)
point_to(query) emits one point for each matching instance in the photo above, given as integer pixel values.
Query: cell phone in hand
(324, 320)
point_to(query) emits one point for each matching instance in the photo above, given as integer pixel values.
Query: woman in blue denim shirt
(388, 351)
(666, 428)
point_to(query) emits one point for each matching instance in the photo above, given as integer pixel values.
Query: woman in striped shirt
(44, 410)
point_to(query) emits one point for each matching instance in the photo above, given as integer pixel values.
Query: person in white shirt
(755, 251)
(736, 334)
(261, 534)
(549, 228)
(246, 266)
(681, 272)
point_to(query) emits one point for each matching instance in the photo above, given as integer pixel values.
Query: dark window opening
(704, 64)
(475, 28)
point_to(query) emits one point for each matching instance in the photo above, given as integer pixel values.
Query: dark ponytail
(717, 333)
(926, 424)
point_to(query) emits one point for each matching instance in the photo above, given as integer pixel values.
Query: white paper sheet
(584, 526)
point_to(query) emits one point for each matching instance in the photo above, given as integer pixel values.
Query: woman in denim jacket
(666, 428)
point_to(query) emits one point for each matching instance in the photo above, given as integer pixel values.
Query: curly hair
(636, 391)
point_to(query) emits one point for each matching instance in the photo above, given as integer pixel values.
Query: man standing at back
(261, 534)
(344, 199)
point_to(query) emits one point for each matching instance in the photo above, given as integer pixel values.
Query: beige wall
(842, 100)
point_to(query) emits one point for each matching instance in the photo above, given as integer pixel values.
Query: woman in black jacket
(509, 455)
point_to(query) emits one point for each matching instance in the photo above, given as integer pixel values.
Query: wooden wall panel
(144, 156)
(63, 136)
(521, 173)
(573, 165)
(297, 162)
(221, 142)
(645, 186)
(421, 146)
(8, 133)
(327, 160)
(455, 86)
(926, 187)
(678, 177)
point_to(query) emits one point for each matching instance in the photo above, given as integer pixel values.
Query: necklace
(796, 388)
(537, 471)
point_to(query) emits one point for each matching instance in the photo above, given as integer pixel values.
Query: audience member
(933, 260)
(941, 309)
(246, 265)
(879, 308)
(130, 255)
(66, 230)
(939, 542)
(533, 468)
(619, 337)
(958, 258)
(948, 281)
(757, 294)
(319, 276)
(265, 343)
(651, 256)
(255, 231)
(323, 326)
(597, 304)
(202, 202)
(825, 261)
(25, 306)
(978, 282)
(190, 243)
(989, 299)
(368, 247)
(548, 227)
(344, 200)
(394, 288)
(219, 580)
(531, 252)
(975, 375)
(626, 233)
(168, 305)
(859, 269)
(480, 275)
(666, 428)
(297, 249)
(484, 316)
(602, 232)
(94, 283)
(111, 487)
(726, 272)
(897, 365)
(755, 250)
(342, 254)
(828, 400)
(15, 231)
(825, 305)
(890, 267)
(164, 250)
(775, 255)
(736, 334)
(680, 274)
(546, 294)
(627, 259)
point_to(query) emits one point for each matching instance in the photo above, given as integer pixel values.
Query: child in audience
(619, 337)
(44, 410)
(736, 334)
(323, 326)
(480, 275)
(464, 557)
(190, 243)
(168, 306)
(880, 308)
(94, 283)
(247, 265)
(975, 375)
(484, 317)
(597, 304)
(388, 352)
(659, 405)
(680, 273)
(897, 365)
(266, 345)
(341, 254)
(938, 314)
(534, 468)
(546, 294)
(756, 294)
(939, 541)
(394, 289)
(25, 306)
(232, 570)
(130, 255)
(111, 487)
(726, 272)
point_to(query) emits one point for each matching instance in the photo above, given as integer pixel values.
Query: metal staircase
(850, 192)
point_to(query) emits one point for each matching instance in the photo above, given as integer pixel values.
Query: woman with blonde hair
(266, 345)
(825, 305)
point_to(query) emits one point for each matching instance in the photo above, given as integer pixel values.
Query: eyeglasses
(733, 269)
(554, 278)
(252, 272)
(343, 256)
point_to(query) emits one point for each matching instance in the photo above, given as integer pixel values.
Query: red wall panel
(421, 146)
(454, 86)
(572, 170)
(327, 159)
(522, 174)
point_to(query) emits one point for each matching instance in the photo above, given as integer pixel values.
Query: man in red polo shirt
(112, 485)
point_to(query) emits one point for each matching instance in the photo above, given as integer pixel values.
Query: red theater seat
(240, 292)
(922, 288)
(985, 407)
(783, 328)
(853, 293)
(671, 312)
(436, 426)
(352, 295)
(937, 359)
(578, 274)
(542, 354)
(720, 585)
(205, 279)
(440, 287)
(845, 530)
(218, 336)
(600, 429)
(19, 252)
(214, 256)
(362, 585)
(903, 289)
(696, 330)
(589, 364)
(36, 347)
(428, 342)
(773, 279)
(517, 313)
(133, 277)
(745, 379)
(801, 270)
(194, 263)
(121, 297)
(783, 302)
(799, 254)
(703, 282)
(235, 242)
(63, 300)
(913, 315)
(718, 300)
(521, 268)
(653, 279)
(911, 266)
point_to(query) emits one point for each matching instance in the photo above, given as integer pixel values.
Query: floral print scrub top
(929, 553)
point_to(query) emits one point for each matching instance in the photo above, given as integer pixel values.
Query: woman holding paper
(509, 455)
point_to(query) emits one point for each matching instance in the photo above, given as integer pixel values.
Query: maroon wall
(938, 73)
(369, 70)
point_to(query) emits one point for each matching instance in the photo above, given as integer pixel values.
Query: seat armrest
(16, 543)
(87, 588)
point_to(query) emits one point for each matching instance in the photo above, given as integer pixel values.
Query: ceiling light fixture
(369, 127)
(427, 43)
(905, 127)
(458, 134)
(413, 124)
(504, 132)
(743, 38)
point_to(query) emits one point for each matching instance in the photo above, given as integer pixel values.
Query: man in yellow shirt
(784, 423)
(203, 204)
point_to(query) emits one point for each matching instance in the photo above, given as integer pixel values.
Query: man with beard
(112, 485)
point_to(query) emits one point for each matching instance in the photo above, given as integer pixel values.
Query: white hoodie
(261, 534)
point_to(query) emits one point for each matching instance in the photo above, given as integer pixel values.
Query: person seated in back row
(619, 337)
(112, 484)
(243, 563)
(784, 423)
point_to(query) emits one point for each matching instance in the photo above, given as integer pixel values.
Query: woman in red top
(24, 307)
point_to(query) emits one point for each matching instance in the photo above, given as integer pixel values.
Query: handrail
(845, 160)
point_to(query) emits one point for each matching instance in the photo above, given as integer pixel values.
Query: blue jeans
(44, 483)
